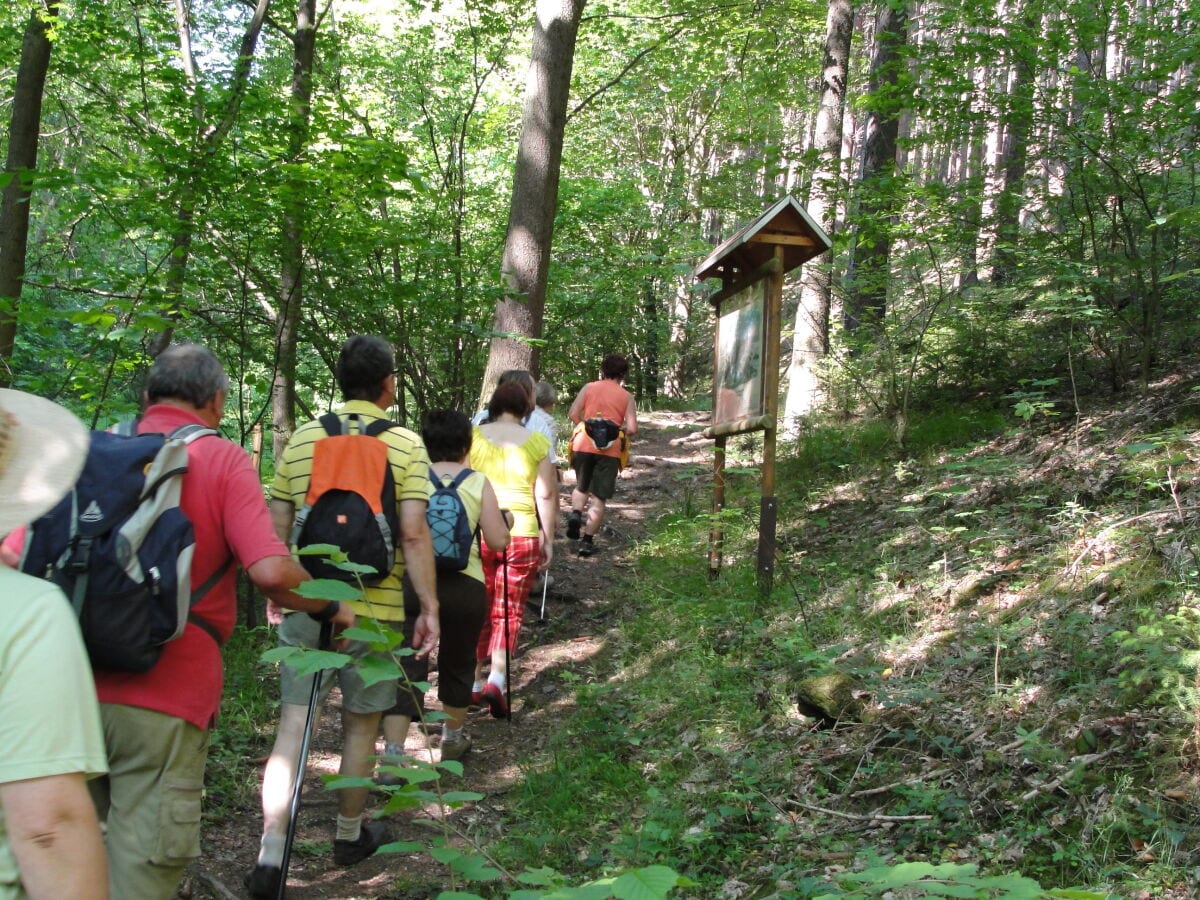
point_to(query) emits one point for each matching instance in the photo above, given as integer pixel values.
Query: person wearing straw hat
(50, 737)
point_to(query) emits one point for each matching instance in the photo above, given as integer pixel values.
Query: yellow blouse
(512, 472)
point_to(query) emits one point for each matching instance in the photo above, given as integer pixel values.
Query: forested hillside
(1011, 189)
(987, 553)
(976, 677)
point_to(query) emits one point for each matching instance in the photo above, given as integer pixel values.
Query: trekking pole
(323, 643)
(507, 652)
(545, 585)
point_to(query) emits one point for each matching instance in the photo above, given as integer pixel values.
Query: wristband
(324, 615)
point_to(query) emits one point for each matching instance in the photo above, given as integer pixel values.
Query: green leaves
(306, 661)
(338, 559)
(922, 879)
(374, 669)
(646, 884)
(328, 589)
(649, 883)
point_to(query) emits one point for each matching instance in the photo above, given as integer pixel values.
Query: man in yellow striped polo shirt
(365, 373)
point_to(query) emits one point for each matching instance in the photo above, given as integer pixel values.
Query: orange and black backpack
(351, 501)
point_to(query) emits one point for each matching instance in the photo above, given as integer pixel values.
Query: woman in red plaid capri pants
(517, 463)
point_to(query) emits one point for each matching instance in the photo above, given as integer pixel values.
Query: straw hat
(42, 449)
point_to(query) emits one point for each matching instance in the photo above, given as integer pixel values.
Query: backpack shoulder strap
(125, 428)
(378, 427)
(332, 424)
(190, 432)
(199, 593)
(461, 477)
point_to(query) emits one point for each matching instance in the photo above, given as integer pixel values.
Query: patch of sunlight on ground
(914, 651)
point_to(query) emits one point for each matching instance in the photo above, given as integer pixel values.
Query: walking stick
(545, 585)
(507, 651)
(323, 643)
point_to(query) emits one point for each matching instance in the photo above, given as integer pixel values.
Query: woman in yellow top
(516, 462)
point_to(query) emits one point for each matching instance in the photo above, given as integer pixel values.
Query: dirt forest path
(667, 452)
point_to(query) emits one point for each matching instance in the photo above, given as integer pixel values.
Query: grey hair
(544, 394)
(186, 372)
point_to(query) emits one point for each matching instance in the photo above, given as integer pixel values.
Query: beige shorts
(301, 630)
(150, 800)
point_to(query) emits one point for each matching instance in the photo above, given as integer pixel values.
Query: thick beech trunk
(867, 301)
(810, 343)
(526, 263)
(1013, 155)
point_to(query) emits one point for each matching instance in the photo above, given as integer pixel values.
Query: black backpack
(602, 431)
(121, 548)
(351, 501)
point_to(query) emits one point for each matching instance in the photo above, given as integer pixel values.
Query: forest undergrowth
(975, 675)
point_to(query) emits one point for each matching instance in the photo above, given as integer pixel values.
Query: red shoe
(494, 698)
(476, 697)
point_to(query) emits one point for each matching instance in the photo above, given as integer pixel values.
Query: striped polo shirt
(410, 472)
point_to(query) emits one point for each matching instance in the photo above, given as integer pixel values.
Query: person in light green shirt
(50, 736)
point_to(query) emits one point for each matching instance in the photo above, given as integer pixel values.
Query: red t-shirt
(224, 500)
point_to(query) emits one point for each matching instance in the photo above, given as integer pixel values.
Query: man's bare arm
(419, 566)
(631, 422)
(283, 514)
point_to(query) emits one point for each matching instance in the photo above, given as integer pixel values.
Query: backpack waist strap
(199, 593)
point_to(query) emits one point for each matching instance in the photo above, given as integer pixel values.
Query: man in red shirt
(157, 723)
(595, 467)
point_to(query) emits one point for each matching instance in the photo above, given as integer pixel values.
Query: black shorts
(595, 474)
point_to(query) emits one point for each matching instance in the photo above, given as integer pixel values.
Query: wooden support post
(781, 239)
(767, 515)
(716, 535)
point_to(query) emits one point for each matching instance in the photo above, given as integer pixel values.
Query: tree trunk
(1013, 153)
(210, 139)
(810, 342)
(291, 288)
(19, 168)
(526, 262)
(867, 302)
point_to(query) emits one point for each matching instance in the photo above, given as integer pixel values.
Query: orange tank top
(608, 400)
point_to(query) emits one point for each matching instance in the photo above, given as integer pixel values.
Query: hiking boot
(456, 748)
(493, 696)
(574, 523)
(586, 547)
(373, 836)
(262, 882)
(393, 755)
(390, 779)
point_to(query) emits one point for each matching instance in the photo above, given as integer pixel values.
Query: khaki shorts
(301, 630)
(150, 800)
(595, 474)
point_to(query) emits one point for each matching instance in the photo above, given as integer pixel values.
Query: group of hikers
(102, 768)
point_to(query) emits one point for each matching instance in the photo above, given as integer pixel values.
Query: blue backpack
(121, 548)
(449, 524)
